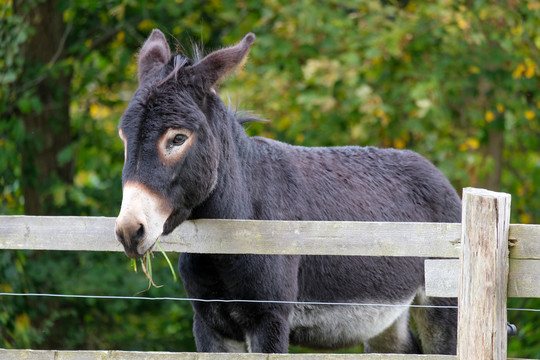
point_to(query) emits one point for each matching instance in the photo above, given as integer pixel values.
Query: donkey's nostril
(130, 235)
(140, 233)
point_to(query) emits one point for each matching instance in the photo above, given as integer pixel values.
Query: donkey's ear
(153, 55)
(219, 63)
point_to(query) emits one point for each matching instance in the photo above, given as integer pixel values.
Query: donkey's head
(171, 151)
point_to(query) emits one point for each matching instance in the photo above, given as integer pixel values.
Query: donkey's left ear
(221, 62)
(153, 55)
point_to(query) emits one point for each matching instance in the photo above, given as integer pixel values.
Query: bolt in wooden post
(483, 275)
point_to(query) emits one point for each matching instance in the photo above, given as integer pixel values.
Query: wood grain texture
(442, 278)
(524, 241)
(483, 279)
(272, 237)
(135, 355)
(240, 236)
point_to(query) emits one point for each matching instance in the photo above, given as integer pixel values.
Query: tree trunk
(47, 127)
(494, 150)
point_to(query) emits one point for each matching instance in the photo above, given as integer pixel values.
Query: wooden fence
(481, 261)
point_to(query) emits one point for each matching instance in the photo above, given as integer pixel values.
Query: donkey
(187, 156)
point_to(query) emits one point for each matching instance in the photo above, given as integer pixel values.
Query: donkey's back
(348, 183)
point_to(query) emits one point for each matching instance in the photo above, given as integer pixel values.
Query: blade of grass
(147, 270)
(168, 261)
(149, 265)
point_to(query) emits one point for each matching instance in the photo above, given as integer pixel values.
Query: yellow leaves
(146, 25)
(121, 36)
(470, 144)
(356, 131)
(533, 5)
(489, 116)
(6, 288)
(529, 72)
(385, 120)
(399, 144)
(519, 70)
(22, 321)
(81, 178)
(86, 178)
(518, 30)
(473, 69)
(525, 218)
(98, 111)
(462, 23)
(526, 69)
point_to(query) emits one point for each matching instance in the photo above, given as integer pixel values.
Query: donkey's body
(215, 170)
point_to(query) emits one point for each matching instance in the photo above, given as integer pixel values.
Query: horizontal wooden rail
(261, 237)
(442, 278)
(136, 355)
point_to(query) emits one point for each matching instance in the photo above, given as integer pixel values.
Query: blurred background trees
(456, 81)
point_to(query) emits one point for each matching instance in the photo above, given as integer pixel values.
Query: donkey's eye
(179, 139)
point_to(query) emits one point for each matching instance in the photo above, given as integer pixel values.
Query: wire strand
(113, 297)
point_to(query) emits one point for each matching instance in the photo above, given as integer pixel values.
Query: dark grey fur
(228, 175)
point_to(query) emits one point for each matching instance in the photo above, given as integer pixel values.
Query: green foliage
(58, 323)
(455, 81)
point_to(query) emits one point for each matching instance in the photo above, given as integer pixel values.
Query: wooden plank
(316, 238)
(138, 355)
(442, 278)
(78, 233)
(524, 279)
(483, 279)
(135, 355)
(248, 236)
(241, 236)
(524, 241)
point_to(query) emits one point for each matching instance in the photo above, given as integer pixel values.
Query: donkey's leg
(208, 340)
(260, 277)
(270, 335)
(437, 327)
(398, 338)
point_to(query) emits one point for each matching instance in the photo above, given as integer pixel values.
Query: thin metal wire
(226, 300)
(113, 297)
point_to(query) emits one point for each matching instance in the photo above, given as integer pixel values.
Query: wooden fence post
(483, 277)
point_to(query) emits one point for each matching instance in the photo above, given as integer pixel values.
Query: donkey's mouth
(145, 247)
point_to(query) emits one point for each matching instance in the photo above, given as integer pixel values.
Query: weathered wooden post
(483, 275)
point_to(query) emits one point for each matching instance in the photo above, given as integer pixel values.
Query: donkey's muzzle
(141, 219)
(130, 236)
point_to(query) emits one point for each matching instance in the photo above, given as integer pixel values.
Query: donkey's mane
(177, 62)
